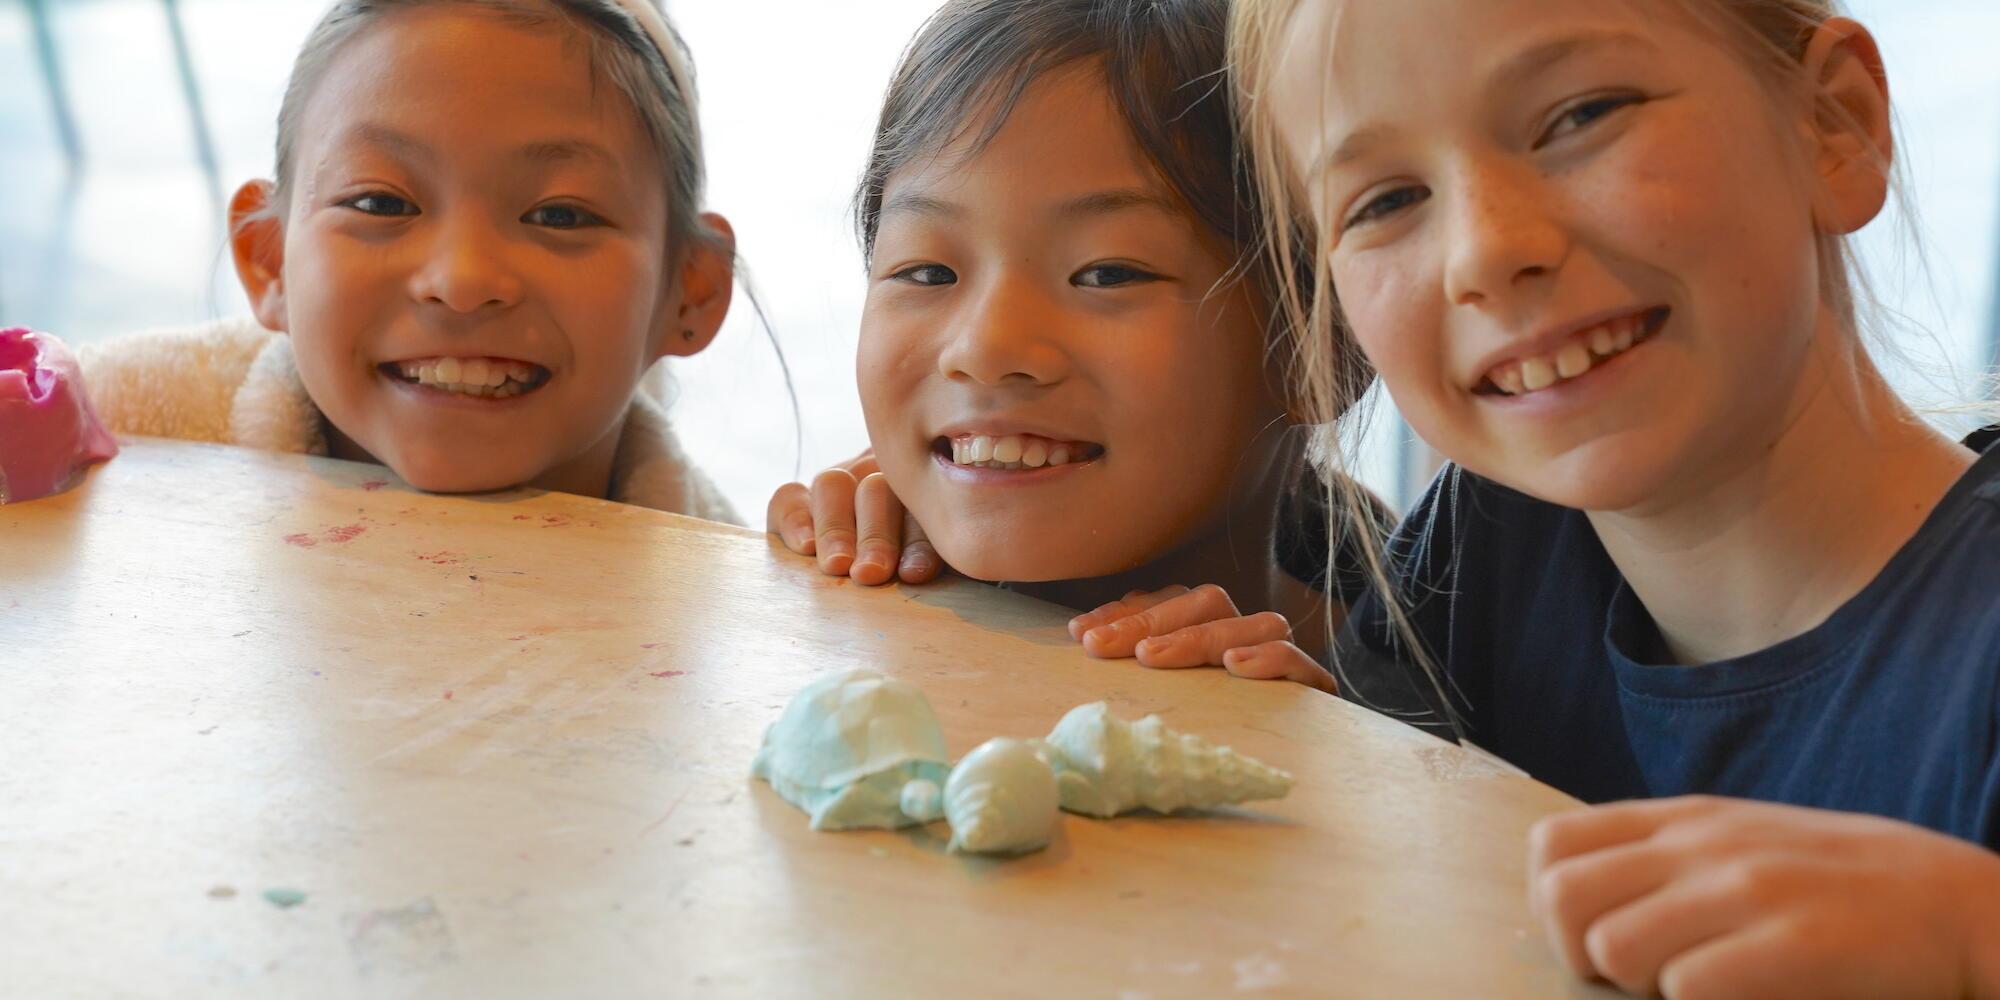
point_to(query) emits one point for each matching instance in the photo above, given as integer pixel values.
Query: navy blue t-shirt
(1891, 706)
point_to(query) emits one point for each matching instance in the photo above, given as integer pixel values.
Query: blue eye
(1109, 276)
(378, 203)
(1386, 205)
(1586, 113)
(927, 275)
(561, 217)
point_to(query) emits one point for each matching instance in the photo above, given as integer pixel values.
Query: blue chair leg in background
(45, 48)
(204, 144)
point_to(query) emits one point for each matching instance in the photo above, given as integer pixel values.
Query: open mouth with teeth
(1013, 452)
(1583, 353)
(487, 378)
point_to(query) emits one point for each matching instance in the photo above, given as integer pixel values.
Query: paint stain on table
(374, 484)
(335, 535)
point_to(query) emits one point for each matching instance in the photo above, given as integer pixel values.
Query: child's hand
(1708, 897)
(854, 524)
(1178, 627)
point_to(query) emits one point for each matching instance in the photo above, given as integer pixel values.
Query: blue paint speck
(284, 899)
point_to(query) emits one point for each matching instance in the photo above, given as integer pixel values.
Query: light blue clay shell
(858, 749)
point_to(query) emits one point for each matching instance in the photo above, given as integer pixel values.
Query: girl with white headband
(484, 228)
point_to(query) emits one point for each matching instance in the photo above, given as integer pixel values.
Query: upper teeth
(496, 377)
(1012, 451)
(1582, 353)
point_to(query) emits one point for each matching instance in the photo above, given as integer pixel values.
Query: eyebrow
(1115, 200)
(409, 147)
(1354, 147)
(1520, 67)
(397, 143)
(565, 150)
(1105, 202)
(1540, 57)
(921, 204)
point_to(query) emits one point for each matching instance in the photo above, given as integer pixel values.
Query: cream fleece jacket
(234, 382)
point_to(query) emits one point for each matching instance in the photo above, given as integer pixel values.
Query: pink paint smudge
(517, 638)
(670, 673)
(651, 645)
(524, 517)
(302, 540)
(374, 484)
(556, 520)
(447, 695)
(344, 533)
(440, 557)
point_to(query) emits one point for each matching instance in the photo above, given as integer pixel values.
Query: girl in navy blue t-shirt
(1692, 549)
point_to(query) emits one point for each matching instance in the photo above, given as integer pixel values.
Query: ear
(1851, 139)
(257, 241)
(707, 281)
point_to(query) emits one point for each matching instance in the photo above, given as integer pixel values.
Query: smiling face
(1576, 238)
(475, 263)
(1054, 383)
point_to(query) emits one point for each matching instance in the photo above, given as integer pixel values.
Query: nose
(1504, 234)
(1010, 334)
(466, 269)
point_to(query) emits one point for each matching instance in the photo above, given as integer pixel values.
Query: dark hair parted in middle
(1163, 64)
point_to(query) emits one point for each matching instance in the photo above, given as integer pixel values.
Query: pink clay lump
(48, 433)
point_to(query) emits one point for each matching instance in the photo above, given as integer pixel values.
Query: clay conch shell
(858, 749)
(1106, 766)
(1001, 799)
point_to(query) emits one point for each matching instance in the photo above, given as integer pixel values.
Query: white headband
(655, 24)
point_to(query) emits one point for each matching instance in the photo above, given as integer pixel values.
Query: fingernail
(837, 548)
(1148, 647)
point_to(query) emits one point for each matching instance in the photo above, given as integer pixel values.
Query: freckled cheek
(1394, 318)
(1675, 210)
(1743, 264)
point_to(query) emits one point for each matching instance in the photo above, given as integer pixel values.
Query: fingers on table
(833, 520)
(790, 517)
(1141, 616)
(1205, 644)
(879, 520)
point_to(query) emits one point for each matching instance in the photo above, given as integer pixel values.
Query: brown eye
(378, 203)
(1109, 276)
(561, 217)
(926, 274)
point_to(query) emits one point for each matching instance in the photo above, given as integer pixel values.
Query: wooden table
(501, 746)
